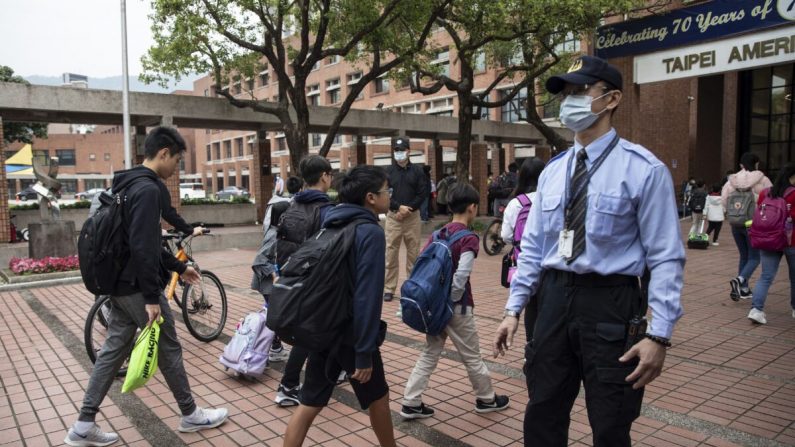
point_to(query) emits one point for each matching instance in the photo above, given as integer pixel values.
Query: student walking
(303, 219)
(781, 193)
(463, 202)
(715, 212)
(138, 298)
(698, 200)
(739, 196)
(364, 193)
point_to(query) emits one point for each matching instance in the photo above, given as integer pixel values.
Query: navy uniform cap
(401, 144)
(586, 70)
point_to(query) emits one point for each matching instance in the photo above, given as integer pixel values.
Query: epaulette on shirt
(641, 152)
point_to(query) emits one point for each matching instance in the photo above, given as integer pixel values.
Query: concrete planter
(226, 214)
(11, 278)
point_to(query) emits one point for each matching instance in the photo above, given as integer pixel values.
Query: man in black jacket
(410, 188)
(138, 298)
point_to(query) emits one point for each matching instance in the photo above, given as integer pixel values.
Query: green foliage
(16, 131)
(233, 200)
(80, 204)
(30, 206)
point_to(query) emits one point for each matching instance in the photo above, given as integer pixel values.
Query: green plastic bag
(143, 360)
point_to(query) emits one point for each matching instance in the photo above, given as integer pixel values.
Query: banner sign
(686, 26)
(766, 48)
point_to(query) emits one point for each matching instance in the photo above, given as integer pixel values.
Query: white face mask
(401, 155)
(576, 114)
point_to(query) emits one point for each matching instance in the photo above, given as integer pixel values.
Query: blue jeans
(424, 210)
(770, 263)
(749, 256)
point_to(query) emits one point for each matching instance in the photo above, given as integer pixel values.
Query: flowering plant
(22, 266)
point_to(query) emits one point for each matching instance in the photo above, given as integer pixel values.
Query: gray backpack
(740, 207)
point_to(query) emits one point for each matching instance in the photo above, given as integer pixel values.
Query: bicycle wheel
(204, 307)
(96, 331)
(492, 242)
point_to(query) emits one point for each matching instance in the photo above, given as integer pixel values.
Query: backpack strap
(458, 236)
(524, 200)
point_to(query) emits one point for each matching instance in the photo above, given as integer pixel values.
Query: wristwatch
(511, 313)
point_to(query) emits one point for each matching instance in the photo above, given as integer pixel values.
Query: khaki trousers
(464, 335)
(407, 230)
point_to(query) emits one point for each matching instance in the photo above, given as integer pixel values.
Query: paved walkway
(726, 381)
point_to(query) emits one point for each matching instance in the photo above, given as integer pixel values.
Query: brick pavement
(726, 381)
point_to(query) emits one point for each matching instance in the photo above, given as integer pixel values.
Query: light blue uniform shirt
(631, 222)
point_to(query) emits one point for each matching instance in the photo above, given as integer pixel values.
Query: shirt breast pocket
(552, 214)
(610, 217)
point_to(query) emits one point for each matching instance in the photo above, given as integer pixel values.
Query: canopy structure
(21, 163)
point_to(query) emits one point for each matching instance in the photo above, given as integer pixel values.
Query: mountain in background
(115, 83)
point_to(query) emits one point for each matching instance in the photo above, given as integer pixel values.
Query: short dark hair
(163, 137)
(513, 167)
(277, 209)
(461, 196)
(312, 168)
(354, 185)
(717, 187)
(749, 161)
(700, 183)
(294, 184)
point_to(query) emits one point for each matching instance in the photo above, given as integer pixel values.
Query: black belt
(591, 279)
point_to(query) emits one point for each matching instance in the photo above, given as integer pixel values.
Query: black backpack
(299, 222)
(102, 248)
(311, 303)
(698, 200)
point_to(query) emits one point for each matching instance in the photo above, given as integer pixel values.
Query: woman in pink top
(756, 181)
(771, 259)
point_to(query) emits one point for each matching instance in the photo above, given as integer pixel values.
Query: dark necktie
(579, 205)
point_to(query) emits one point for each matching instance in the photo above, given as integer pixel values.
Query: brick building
(705, 83)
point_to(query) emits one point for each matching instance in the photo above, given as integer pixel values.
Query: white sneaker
(203, 418)
(757, 316)
(715, 244)
(94, 438)
(279, 356)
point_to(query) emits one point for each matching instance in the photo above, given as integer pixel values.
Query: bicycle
(203, 305)
(492, 241)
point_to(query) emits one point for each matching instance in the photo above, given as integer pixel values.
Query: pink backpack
(769, 226)
(509, 261)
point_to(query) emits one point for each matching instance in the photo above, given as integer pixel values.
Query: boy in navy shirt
(364, 193)
(462, 200)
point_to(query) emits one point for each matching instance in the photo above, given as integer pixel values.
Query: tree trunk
(463, 153)
(297, 134)
(556, 142)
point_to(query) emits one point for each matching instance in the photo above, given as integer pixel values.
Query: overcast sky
(50, 37)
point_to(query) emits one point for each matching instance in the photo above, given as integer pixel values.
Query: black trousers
(716, 226)
(578, 337)
(293, 367)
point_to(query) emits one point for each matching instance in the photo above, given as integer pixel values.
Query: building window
(206, 92)
(767, 115)
(316, 66)
(514, 110)
(317, 139)
(220, 180)
(353, 79)
(217, 150)
(337, 140)
(264, 77)
(411, 108)
(442, 59)
(92, 157)
(281, 144)
(232, 180)
(250, 84)
(333, 91)
(209, 153)
(251, 141)
(94, 183)
(240, 148)
(68, 186)
(181, 165)
(313, 95)
(245, 179)
(333, 60)
(66, 157)
(236, 89)
(228, 149)
(107, 156)
(440, 107)
(480, 61)
(381, 85)
(570, 44)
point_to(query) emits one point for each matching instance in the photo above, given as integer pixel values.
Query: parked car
(88, 195)
(192, 191)
(232, 191)
(27, 194)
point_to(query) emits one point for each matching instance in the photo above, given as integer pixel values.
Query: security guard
(605, 212)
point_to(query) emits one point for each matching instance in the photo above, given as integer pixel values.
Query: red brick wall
(478, 169)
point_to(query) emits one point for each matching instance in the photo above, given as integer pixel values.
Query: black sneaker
(735, 293)
(497, 404)
(288, 397)
(746, 294)
(418, 412)
(388, 296)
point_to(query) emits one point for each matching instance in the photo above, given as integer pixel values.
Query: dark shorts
(322, 372)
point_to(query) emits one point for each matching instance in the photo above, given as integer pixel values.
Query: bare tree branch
(358, 36)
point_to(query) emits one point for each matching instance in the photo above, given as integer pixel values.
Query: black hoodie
(143, 205)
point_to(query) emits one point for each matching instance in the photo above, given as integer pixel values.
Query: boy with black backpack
(463, 201)
(697, 203)
(302, 219)
(364, 193)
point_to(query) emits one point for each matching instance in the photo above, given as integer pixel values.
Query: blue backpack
(425, 296)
